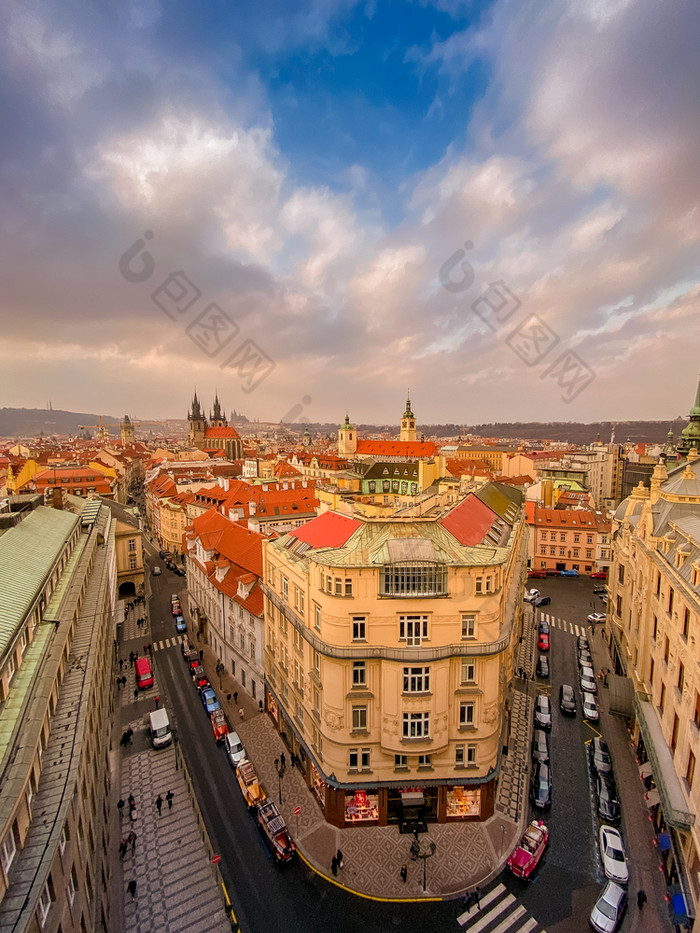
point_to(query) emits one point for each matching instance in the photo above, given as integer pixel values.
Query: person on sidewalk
(283, 761)
(169, 797)
(477, 897)
(122, 848)
(131, 888)
(641, 898)
(404, 873)
(235, 696)
(334, 866)
(159, 803)
(131, 839)
(339, 858)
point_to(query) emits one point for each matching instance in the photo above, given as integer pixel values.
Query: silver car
(609, 909)
(587, 680)
(590, 707)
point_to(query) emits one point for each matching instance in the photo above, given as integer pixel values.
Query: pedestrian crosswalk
(498, 912)
(172, 642)
(571, 628)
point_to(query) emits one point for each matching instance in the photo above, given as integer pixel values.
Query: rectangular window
(666, 650)
(416, 679)
(662, 698)
(690, 770)
(696, 717)
(618, 606)
(478, 586)
(562, 536)
(424, 761)
(671, 595)
(589, 553)
(359, 629)
(359, 719)
(621, 574)
(681, 678)
(316, 661)
(317, 617)
(467, 675)
(285, 589)
(413, 580)
(686, 623)
(658, 584)
(400, 762)
(459, 756)
(651, 674)
(552, 551)
(577, 538)
(365, 760)
(654, 626)
(353, 759)
(45, 900)
(589, 539)
(471, 754)
(71, 885)
(466, 714)
(468, 626)
(63, 841)
(132, 544)
(359, 674)
(416, 725)
(8, 850)
(413, 629)
(338, 587)
(302, 602)
(674, 734)
(562, 552)
(348, 586)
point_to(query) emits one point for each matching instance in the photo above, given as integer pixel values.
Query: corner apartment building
(568, 539)
(57, 591)
(388, 656)
(654, 629)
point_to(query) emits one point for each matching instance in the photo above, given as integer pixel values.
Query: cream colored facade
(383, 687)
(654, 625)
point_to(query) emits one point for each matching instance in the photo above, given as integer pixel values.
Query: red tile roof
(469, 522)
(327, 530)
(221, 432)
(411, 450)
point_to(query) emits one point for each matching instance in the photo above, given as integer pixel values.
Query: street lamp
(416, 854)
(279, 768)
(219, 671)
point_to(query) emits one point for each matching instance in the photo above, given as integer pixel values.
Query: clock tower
(408, 423)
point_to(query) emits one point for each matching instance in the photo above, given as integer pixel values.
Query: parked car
(604, 597)
(600, 590)
(176, 609)
(612, 854)
(543, 642)
(156, 571)
(274, 830)
(599, 756)
(543, 627)
(180, 624)
(582, 642)
(541, 785)
(527, 854)
(542, 601)
(163, 554)
(569, 573)
(174, 598)
(587, 680)
(179, 571)
(567, 700)
(531, 595)
(552, 572)
(543, 713)
(609, 909)
(200, 679)
(540, 746)
(234, 748)
(537, 574)
(608, 801)
(599, 575)
(589, 707)
(542, 666)
(209, 700)
(584, 658)
(595, 617)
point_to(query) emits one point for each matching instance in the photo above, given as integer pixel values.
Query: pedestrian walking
(468, 900)
(136, 693)
(131, 888)
(235, 696)
(339, 857)
(157, 700)
(131, 659)
(132, 801)
(159, 802)
(131, 839)
(241, 713)
(201, 653)
(283, 761)
(122, 848)
(641, 898)
(150, 649)
(169, 797)
(334, 866)
(124, 680)
(121, 663)
(120, 804)
(404, 873)
(477, 897)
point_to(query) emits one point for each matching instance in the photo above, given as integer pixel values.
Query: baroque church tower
(408, 423)
(347, 438)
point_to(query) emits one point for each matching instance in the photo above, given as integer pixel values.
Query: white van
(160, 728)
(234, 748)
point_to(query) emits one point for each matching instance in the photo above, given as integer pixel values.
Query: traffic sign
(297, 811)
(216, 859)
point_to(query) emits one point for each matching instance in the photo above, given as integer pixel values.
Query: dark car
(608, 801)
(567, 700)
(543, 666)
(600, 590)
(542, 601)
(543, 713)
(179, 571)
(599, 756)
(541, 785)
(543, 627)
(540, 746)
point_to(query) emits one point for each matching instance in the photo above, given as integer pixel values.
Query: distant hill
(31, 422)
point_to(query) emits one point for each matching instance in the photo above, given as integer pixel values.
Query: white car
(157, 571)
(531, 596)
(587, 680)
(234, 748)
(612, 854)
(596, 617)
(590, 707)
(609, 909)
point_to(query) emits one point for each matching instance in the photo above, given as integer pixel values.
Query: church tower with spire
(218, 418)
(347, 438)
(690, 435)
(127, 431)
(408, 423)
(197, 424)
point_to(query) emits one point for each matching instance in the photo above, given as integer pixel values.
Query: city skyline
(337, 187)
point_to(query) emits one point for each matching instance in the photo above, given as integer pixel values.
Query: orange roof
(221, 432)
(327, 530)
(411, 450)
(565, 518)
(470, 521)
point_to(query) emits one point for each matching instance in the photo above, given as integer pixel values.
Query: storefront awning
(652, 797)
(667, 781)
(645, 770)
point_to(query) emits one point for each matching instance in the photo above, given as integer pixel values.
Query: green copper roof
(27, 556)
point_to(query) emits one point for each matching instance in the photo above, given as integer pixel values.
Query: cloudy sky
(313, 206)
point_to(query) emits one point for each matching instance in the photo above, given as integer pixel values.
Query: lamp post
(279, 768)
(417, 854)
(219, 671)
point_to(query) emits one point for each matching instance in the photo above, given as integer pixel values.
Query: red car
(543, 642)
(539, 574)
(527, 854)
(600, 575)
